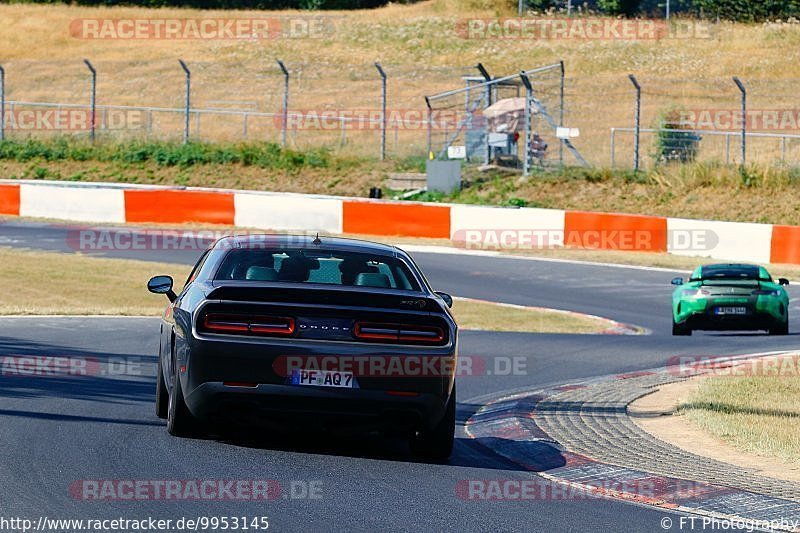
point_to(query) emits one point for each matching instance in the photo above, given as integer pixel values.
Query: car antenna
(316, 240)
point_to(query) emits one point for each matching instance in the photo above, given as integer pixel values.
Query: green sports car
(730, 297)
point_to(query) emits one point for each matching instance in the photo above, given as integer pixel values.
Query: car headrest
(351, 267)
(372, 279)
(297, 268)
(259, 273)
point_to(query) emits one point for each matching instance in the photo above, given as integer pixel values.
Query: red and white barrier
(468, 226)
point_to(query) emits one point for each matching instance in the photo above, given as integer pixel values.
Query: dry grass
(419, 46)
(343, 181)
(697, 191)
(472, 314)
(759, 415)
(53, 283)
(46, 283)
(700, 191)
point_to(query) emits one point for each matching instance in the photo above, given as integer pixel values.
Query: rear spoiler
(317, 295)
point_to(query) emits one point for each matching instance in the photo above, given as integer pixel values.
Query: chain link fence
(579, 120)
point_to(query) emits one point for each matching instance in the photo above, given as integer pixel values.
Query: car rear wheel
(180, 422)
(162, 396)
(438, 443)
(681, 330)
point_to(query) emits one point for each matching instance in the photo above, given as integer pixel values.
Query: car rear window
(727, 272)
(346, 268)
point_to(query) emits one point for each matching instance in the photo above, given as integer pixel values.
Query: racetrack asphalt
(59, 430)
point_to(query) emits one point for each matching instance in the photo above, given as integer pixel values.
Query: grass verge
(700, 190)
(756, 414)
(473, 314)
(47, 283)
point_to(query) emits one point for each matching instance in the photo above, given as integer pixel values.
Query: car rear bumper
(752, 321)
(414, 397)
(292, 406)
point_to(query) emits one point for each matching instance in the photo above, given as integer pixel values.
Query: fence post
(430, 128)
(383, 109)
(285, 101)
(613, 146)
(2, 104)
(561, 118)
(743, 90)
(487, 156)
(527, 139)
(94, 99)
(188, 103)
(638, 120)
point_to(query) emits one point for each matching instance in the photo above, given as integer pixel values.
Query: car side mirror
(162, 285)
(677, 281)
(446, 297)
(783, 281)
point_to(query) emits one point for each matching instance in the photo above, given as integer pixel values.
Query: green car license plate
(731, 311)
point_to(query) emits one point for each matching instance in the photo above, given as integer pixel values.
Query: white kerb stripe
(288, 212)
(86, 204)
(734, 241)
(546, 223)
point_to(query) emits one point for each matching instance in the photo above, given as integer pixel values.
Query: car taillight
(399, 333)
(763, 292)
(248, 324)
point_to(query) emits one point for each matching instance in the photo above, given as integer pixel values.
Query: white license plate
(323, 378)
(731, 310)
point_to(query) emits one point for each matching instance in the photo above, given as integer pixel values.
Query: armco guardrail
(470, 226)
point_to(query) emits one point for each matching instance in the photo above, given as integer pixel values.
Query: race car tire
(681, 330)
(162, 396)
(438, 443)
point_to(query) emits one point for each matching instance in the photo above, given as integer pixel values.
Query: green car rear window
(732, 272)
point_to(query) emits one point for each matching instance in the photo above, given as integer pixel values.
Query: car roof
(260, 240)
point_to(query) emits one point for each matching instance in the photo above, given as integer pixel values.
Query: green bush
(628, 8)
(165, 154)
(225, 4)
(748, 10)
(672, 145)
